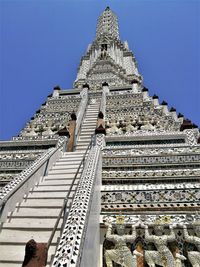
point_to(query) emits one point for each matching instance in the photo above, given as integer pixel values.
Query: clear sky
(42, 41)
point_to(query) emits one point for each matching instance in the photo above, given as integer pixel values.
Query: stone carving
(131, 112)
(126, 161)
(53, 116)
(160, 196)
(148, 186)
(192, 136)
(131, 174)
(113, 128)
(121, 254)
(100, 141)
(173, 219)
(148, 151)
(193, 256)
(8, 165)
(16, 155)
(163, 256)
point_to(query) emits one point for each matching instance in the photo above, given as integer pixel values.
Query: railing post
(105, 91)
(81, 113)
(72, 128)
(35, 254)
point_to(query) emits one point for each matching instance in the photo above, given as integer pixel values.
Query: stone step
(52, 188)
(69, 161)
(90, 110)
(70, 165)
(49, 195)
(53, 203)
(10, 264)
(14, 254)
(84, 140)
(91, 113)
(31, 223)
(81, 147)
(61, 176)
(82, 144)
(34, 212)
(65, 166)
(87, 127)
(83, 134)
(79, 143)
(89, 131)
(66, 171)
(90, 119)
(93, 107)
(74, 157)
(72, 153)
(89, 122)
(58, 182)
(21, 237)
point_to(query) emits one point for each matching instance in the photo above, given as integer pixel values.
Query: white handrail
(15, 190)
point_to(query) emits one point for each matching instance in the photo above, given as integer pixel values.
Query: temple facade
(103, 174)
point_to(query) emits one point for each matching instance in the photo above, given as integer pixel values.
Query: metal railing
(64, 207)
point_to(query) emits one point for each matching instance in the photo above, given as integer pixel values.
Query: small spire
(107, 25)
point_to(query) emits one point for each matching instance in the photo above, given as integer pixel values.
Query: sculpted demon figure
(121, 254)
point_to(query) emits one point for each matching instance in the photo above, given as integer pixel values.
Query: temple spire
(107, 25)
(107, 59)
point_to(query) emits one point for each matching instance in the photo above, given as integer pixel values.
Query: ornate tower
(104, 174)
(108, 59)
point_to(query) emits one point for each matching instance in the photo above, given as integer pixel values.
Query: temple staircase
(35, 217)
(88, 125)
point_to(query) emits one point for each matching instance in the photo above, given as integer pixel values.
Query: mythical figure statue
(147, 126)
(129, 127)
(163, 256)
(121, 254)
(113, 128)
(193, 256)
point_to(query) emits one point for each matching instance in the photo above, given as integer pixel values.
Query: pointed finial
(107, 24)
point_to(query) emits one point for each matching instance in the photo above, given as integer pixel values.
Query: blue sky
(42, 41)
